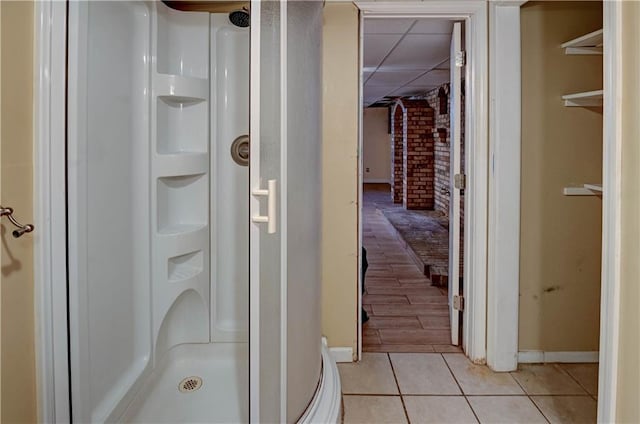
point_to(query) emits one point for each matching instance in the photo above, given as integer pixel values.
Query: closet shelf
(585, 190)
(586, 99)
(589, 44)
(594, 187)
(177, 89)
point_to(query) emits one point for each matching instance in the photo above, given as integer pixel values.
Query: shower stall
(193, 235)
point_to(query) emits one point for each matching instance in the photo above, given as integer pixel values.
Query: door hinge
(458, 303)
(461, 58)
(460, 181)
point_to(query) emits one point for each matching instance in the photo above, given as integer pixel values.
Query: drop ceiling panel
(412, 91)
(377, 46)
(432, 26)
(419, 51)
(378, 91)
(432, 78)
(404, 57)
(387, 26)
(393, 78)
(444, 65)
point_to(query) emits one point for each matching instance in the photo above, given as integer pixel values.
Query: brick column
(418, 156)
(438, 99)
(398, 133)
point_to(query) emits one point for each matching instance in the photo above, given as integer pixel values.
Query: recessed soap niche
(182, 203)
(182, 125)
(184, 267)
(183, 43)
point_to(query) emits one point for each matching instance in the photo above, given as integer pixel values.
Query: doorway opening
(413, 78)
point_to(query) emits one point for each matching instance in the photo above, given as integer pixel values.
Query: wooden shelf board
(585, 99)
(584, 190)
(588, 44)
(577, 191)
(594, 187)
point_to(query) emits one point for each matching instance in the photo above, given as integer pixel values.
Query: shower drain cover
(190, 384)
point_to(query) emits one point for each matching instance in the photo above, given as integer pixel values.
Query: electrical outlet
(367, 169)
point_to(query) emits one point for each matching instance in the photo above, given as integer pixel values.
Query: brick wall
(438, 99)
(418, 156)
(442, 147)
(398, 134)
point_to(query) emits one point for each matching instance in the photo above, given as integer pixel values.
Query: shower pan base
(221, 398)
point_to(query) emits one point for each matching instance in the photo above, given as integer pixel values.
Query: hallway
(410, 373)
(406, 313)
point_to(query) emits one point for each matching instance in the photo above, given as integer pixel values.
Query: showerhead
(240, 18)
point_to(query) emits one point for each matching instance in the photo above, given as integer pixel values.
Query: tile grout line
(459, 395)
(529, 397)
(460, 387)
(579, 384)
(395, 377)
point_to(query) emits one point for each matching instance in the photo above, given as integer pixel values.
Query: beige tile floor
(448, 388)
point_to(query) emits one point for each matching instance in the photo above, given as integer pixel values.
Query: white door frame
(611, 213)
(474, 12)
(503, 273)
(50, 241)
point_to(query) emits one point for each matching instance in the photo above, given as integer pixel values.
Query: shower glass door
(285, 208)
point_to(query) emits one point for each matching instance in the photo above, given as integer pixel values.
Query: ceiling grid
(404, 57)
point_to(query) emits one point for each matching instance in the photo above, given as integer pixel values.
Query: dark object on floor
(365, 265)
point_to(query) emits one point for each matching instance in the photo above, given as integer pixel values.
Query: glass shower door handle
(270, 217)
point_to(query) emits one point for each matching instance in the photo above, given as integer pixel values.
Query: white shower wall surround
(158, 214)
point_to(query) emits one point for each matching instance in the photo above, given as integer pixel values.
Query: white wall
(376, 145)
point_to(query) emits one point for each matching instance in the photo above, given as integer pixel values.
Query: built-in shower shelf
(181, 101)
(184, 275)
(182, 163)
(182, 203)
(182, 125)
(185, 267)
(177, 229)
(181, 90)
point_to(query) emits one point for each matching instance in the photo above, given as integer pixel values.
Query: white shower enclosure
(193, 281)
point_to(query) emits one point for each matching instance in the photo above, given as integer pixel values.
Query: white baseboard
(342, 354)
(376, 181)
(539, 357)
